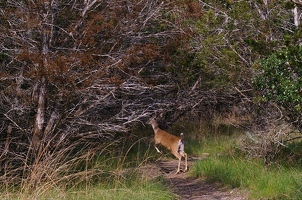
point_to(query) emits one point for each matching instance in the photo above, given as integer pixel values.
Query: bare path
(191, 188)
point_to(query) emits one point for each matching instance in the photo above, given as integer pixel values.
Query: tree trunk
(47, 34)
(39, 121)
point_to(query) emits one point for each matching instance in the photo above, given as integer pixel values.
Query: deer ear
(154, 115)
(151, 117)
(159, 114)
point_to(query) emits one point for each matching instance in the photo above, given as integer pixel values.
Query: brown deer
(171, 142)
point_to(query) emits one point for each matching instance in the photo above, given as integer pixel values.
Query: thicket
(75, 74)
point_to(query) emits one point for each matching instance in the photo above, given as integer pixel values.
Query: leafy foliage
(229, 36)
(281, 80)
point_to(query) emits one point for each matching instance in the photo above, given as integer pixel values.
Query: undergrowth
(111, 170)
(228, 165)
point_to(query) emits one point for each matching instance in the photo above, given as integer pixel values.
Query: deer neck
(155, 127)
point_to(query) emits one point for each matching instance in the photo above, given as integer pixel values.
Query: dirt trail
(190, 188)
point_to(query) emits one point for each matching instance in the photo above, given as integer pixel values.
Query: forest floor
(187, 187)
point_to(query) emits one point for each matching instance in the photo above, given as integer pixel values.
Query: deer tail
(181, 136)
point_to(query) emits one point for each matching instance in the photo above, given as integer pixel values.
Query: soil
(188, 187)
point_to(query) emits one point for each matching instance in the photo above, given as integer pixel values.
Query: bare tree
(82, 71)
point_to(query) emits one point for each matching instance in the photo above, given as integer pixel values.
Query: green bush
(280, 80)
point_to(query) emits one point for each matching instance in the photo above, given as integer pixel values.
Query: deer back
(167, 140)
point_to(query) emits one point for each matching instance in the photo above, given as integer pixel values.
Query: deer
(173, 143)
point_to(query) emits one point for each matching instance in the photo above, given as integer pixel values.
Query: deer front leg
(157, 149)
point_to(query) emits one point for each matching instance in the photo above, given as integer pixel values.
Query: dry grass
(79, 171)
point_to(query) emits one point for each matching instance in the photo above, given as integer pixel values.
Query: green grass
(227, 165)
(134, 188)
(251, 175)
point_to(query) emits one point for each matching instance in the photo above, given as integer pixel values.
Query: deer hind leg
(182, 153)
(178, 156)
(178, 168)
(179, 161)
(186, 161)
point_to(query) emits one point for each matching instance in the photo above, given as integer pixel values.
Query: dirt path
(190, 188)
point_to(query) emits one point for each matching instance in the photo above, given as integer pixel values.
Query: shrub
(280, 81)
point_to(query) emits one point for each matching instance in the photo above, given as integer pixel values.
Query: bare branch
(297, 2)
(89, 5)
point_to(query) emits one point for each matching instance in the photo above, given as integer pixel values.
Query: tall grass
(86, 171)
(229, 166)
